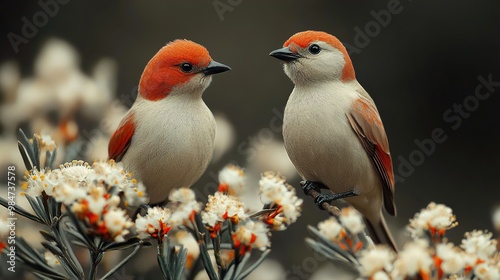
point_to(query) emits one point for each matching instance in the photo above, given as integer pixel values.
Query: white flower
(210, 218)
(154, 223)
(291, 205)
(57, 58)
(275, 191)
(135, 195)
(352, 220)
(46, 142)
(96, 199)
(117, 223)
(232, 179)
(436, 218)
(68, 192)
(496, 219)
(331, 229)
(470, 260)
(375, 260)
(4, 229)
(272, 188)
(380, 275)
(183, 213)
(39, 181)
(452, 259)
(73, 180)
(270, 269)
(415, 258)
(454, 264)
(112, 174)
(224, 138)
(182, 195)
(77, 171)
(487, 271)
(479, 243)
(10, 77)
(51, 259)
(251, 234)
(221, 207)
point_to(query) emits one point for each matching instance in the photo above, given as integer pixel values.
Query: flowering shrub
(428, 256)
(89, 205)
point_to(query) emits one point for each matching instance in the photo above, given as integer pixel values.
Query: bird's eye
(314, 49)
(186, 67)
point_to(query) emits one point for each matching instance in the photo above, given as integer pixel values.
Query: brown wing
(366, 123)
(121, 139)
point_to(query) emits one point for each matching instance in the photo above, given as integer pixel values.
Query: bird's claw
(310, 185)
(329, 198)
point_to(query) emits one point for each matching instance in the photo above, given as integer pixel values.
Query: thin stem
(67, 251)
(218, 259)
(333, 210)
(125, 260)
(96, 258)
(207, 263)
(236, 251)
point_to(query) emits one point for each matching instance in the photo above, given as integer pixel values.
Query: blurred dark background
(426, 59)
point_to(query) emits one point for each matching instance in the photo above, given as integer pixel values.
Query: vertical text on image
(11, 220)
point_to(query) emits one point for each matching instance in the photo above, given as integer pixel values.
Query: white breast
(320, 141)
(177, 140)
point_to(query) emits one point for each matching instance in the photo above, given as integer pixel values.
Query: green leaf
(71, 230)
(172, 263)
(45, 275)
(52, 248)
(35, 260)
(240, 265)
(43, 202)
(68, 250)
(19, 210)
(39, 211)
(28, 147)
(345, 254)
(89, 240)
(48, 236)
(207, 262)
(27, 250)
(54, 209)
(123, 245)
(36, 153)
(122, 263)
(253, 266)
(24, 154)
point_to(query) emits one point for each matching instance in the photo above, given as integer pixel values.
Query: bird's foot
(307, 186)
(313, 189)
(329, 198)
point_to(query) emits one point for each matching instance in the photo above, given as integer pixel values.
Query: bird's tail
(380, 234)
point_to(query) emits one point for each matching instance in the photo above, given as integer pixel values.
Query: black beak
(215, 67)
(284, 54)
